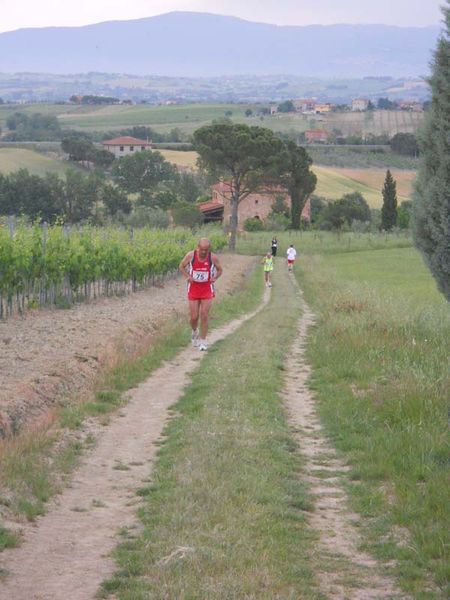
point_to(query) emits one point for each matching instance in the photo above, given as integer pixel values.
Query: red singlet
(201, 270)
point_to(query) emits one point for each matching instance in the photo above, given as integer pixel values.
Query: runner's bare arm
(184, 263)
(218, 266)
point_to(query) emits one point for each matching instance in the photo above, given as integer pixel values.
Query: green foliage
(143, 216)
(35, 127)
(389, 208)
(296, 176)
(405, 144)
(142, 171)
(351, 207)
(404, 214)
(432, 191)
(386, 104)
(54, 257)
(253, 224)
(187, 215)
(114, 200)
(286, 107)
(247, 156)
(279, 207)
(80, 149)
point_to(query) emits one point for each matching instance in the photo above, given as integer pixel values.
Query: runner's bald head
(204, 244)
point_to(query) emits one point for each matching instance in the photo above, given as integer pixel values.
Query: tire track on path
(67, 555)
(344, 571)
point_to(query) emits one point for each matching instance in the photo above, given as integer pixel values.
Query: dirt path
(67, 554)
(345, 572)
(53, 354)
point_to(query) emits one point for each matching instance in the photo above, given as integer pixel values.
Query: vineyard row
(58, 266)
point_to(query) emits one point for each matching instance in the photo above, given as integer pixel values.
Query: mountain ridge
(203, 44)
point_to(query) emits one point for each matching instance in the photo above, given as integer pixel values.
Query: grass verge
(225, 514)
(380, 353)
(33, 464)
(321, 242)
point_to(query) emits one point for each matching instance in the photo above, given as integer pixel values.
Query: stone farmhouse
(126, 145)
(256, 205)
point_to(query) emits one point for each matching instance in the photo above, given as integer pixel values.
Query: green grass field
(13, 159)
(380, 354)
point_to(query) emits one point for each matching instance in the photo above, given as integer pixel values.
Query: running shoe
(203, 345)
(194, 338)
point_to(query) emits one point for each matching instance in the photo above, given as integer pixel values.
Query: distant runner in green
(267, 261)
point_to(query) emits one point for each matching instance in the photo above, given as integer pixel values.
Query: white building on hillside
(125, 145)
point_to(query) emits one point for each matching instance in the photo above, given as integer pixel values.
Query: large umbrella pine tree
(246, 156)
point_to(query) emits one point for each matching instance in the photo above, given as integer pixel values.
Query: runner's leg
(194, 309)
(205, 305)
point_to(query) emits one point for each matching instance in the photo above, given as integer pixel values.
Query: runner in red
(201, 268)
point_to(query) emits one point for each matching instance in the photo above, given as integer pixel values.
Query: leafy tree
(432, 190)
(78, 149)
(286, 107)
(187, 215)
(404, 214)
(31, 195)
(248, 112)
(101, 158)
(279, 207)
(386, 104)
(142, 171)
(185, 186)
(318, 205)
(81, 194)
(83, 150)
(389, 208)
(349, 208)
(299, 180)
(247, 156)
(114, 200)
(35, 127)
(405, 144)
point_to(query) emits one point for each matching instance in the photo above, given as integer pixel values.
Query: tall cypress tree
(432, 189)
(389, 209)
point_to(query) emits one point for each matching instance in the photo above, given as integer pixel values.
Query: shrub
(253, 224)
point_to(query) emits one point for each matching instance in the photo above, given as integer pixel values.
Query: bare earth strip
(50, 355)
(67, 554)
(344, 571)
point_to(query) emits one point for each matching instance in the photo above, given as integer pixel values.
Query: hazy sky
(15, 14)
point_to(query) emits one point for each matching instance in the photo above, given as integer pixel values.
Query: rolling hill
(201, 44)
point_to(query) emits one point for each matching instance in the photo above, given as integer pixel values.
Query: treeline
(140, 189)
(35, 127)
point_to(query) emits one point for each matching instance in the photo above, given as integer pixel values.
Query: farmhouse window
(121, 148)
(131, 148)
(142, 147)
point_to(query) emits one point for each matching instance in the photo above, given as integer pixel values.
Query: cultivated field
(189, 117)
(333, 182)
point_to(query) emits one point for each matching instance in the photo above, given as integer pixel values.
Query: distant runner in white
(291, 256)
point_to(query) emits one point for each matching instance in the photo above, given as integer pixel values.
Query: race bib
(200, 276)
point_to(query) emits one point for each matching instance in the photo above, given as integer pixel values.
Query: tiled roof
(211, 205)
(126, 141)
